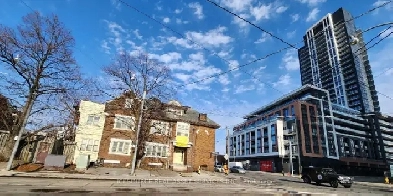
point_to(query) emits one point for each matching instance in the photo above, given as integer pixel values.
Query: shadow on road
(300, 182)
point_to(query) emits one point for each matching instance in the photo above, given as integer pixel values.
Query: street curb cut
(125, 180)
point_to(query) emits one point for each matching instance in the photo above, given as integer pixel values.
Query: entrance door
(178, 157)
(42, 152)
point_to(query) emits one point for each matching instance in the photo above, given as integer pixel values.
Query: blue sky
(101, 28)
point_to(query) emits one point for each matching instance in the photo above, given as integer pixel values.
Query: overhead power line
(252, 24)
(229, 63)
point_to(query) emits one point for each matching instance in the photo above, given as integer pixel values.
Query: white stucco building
(89, 131)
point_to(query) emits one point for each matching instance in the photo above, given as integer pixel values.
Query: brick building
(175, 137)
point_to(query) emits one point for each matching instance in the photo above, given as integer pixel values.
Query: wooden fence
(29, 147)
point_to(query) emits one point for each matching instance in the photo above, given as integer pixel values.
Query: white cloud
(312, 2)
(225, 89)
(281, 9)
(224, 80)
(166, 20)
(291, 34)
(237, 5)
(105, 47)
(312, 15)
(178, 11)
(295, 17)
(243, 26)
(379, 3)
(243, 88)
(168, 57)
(116, 4)
(290, 60)
(180, 21)
(117, 32)
(386, 34)
(198, 9)
(284, 80)
(262, 11)
(264, 37)
(137, 35)
(212, 38)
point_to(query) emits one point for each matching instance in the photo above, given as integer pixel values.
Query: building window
(292, 110)
(89, 145)
(156, 150)
(128, 103)
(124, 122)
(93, 120)
(120, 146)
(182, 129)
(159, 127)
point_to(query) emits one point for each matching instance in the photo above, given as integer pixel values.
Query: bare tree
(133, 74)
(38, 59)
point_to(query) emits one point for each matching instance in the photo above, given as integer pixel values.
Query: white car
(218, 168)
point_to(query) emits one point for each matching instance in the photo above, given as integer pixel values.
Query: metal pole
(290, 157)
(228, 147)
(29, 106)
(137, 133)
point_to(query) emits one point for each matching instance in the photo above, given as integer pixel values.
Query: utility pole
(137, 132)
(26, 113)
(290, 157)
(228, 146)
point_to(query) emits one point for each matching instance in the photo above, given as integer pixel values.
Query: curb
(120, 179)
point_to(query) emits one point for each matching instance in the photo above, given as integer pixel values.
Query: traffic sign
(226, 156)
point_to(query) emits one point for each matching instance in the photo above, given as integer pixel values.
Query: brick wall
(203, 139)
(204, 145)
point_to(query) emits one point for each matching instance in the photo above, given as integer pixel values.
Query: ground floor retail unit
(278, 164)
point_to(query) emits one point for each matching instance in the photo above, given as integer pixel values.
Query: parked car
(237, 169)
(325, 175)
(218, 168)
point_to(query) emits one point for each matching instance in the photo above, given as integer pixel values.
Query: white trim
(111, 161)
(120, 140)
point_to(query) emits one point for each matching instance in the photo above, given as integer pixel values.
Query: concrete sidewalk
(141, 175)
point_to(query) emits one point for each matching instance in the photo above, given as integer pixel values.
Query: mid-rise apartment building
(328, 60)
(322, 133)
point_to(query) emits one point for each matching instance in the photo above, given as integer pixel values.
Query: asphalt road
(40, 186)
(236, 185)
(292, 185)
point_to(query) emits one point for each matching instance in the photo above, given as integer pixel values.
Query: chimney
(203, 117)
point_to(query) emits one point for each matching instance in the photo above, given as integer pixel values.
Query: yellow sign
(181, 141)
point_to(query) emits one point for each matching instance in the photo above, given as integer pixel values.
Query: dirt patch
(29, 167)
(71, 169)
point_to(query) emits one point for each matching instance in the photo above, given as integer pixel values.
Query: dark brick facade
(201, 136)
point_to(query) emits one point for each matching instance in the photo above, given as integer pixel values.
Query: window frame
(164, 127)
(117, 119)
(182, 132)
(128, 103)
(151, 150)
(94, 145)
(124, 143)
(94, 121)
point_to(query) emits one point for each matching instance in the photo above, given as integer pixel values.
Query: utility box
(83, 162)
(55, 161)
